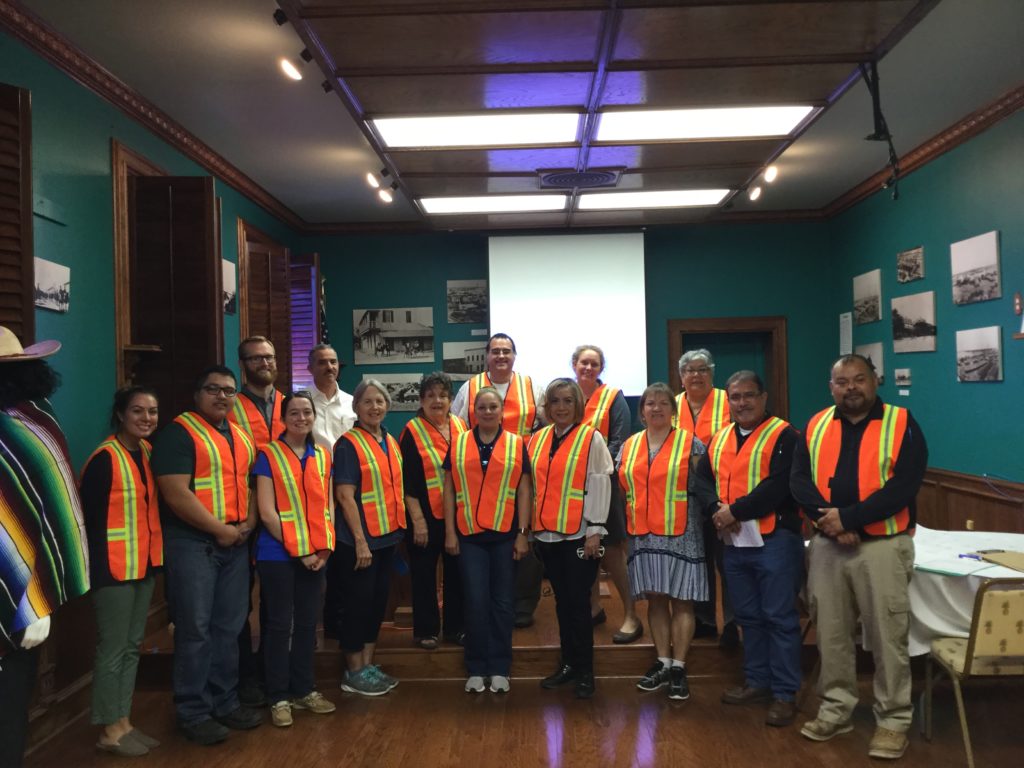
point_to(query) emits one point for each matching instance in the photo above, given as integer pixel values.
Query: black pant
(290, 594)
(250, 662)
(572, 578)
(706, 612)
(361, 596)
(426, 619)
(17, 680)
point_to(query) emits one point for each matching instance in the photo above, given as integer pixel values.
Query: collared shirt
(334, 416)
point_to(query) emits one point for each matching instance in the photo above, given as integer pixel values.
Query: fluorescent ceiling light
(491, 130)
(493, 204)
(669, 198)
(680, 124)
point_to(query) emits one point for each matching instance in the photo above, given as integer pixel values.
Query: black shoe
(678, 686)
(624, 638)
(585, 686)
(250, 694)
(459, 638)
(565, 674)
(242, 719)
(656, 677)
(523, 620)
(205, 732)
(599, 618)
(730, 638)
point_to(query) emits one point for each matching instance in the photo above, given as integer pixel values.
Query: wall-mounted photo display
(467, 301)
(902, 377)
(396, 335)
(975, 263)
(867, 297)
(404, 389)
(462, 359)
(979, 354)
(873, 353)
(913, 322)
(53, 286)
(910, 265)
(228, 291)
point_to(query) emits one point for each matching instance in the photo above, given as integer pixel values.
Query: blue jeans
(489, 585)
(764, 583)
(208, 590)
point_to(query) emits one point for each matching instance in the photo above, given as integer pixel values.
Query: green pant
(120, 625)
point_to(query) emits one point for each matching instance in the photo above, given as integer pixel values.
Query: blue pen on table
(970, 556)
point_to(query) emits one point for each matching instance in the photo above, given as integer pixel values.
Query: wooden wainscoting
(952, 501)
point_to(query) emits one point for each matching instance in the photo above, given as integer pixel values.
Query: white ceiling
(212, 66)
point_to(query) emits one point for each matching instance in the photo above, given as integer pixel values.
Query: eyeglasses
(260, 358)
(213, 389)
(696, 371)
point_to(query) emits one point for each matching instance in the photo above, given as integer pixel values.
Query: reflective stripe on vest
(134, 535)
(486, 501)
(879, 450)
(433, 447)
(519, 411)
(656, 495)
(599, 407)
(382, 499)
(559, 482)
(247, 415)
(738, 474)
(714, 415)
(221, 478)
(305, 511)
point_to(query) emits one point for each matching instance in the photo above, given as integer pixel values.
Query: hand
(829, 522)
(419, 532)
(521, 548)
(848, 538)
(363, 555)
(243, 532)
(735, 528)
(591, 546)
(312, 562)
(451, 543)
(228, 536)
(36, 633)
(723, 518)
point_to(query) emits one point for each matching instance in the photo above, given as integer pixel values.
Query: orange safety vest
(738, 474)
(221, 479)
(656, 495)
(560, 482)
(599, 407)
(519, 411)
(382, 498)
(249, 417)
(486, 505)
(134, 537)
(433, 448)
(879, 450)
(304, 509)
(713, 415)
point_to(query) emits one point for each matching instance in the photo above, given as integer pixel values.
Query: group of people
(505, 482)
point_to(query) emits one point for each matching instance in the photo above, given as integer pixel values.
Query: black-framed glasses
(260, 358)
(213, 389)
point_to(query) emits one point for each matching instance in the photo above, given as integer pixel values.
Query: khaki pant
(868, 582)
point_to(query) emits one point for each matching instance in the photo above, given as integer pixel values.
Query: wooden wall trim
(43, 40)
(954, 501)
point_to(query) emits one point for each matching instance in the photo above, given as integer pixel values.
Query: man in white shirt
(334, 414)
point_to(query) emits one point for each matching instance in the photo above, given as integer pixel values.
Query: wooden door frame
(247, 232)
(776, 364)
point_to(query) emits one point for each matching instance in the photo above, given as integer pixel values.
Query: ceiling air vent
(569, 179)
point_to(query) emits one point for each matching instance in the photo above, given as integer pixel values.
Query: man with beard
(334, 414)
(856, 474)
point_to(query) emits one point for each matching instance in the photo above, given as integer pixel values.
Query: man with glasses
(704, 410)
(747, 464)
(257, 409)
(202, 461)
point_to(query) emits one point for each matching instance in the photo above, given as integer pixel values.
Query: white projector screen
(552, 293)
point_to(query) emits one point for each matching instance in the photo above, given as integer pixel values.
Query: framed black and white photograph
(867, 297)
(462, 359)
(873, 353)
(404, 389)
(975, 266)
(53, 286)
(467, 301)
(389, 336)
(979, 354)
(902, 377)
(228, 289)
(913, 322)
(910, 265)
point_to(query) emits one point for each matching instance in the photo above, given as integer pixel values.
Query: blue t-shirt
(348, 472)
(267, 547)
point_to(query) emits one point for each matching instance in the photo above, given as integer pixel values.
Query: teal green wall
(71, 133)
(979, 187)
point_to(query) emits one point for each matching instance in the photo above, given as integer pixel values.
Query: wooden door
(264, 295)
(16, 266)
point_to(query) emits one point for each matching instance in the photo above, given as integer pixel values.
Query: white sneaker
(499, 684)
(475, 684)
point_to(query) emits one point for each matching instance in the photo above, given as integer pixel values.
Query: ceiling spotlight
(771, 173)
(280, 17)
(372, 180)
(385, 195)
(290, 70)
(306, 55)
(326, 85)
(754, 193)
(384, 173)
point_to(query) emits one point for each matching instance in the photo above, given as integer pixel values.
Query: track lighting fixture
(305, 55)
(280, 17)
(326, 85)
(754, 193)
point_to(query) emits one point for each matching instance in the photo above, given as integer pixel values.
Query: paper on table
(748, 536)
(952, 565)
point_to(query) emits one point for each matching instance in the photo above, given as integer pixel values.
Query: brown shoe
(781, 713)
(745, 694)
(888, 745)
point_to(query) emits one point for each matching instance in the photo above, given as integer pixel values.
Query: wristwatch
(523, 531)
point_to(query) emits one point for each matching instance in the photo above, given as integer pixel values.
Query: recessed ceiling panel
(688, 178)
(500, 221)
(484, 160)
(448, 186)
(640, 218)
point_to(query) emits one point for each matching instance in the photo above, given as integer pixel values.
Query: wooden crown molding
(42, 39)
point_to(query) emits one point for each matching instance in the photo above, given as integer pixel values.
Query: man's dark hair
(854, 358)
(501, 336)
(26, 380)
(741, 376)
(220, 370)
